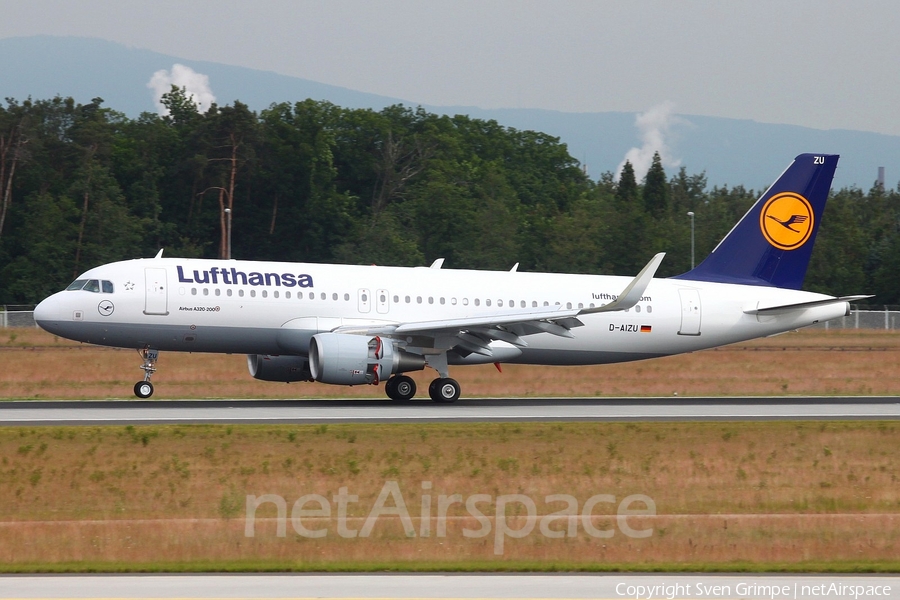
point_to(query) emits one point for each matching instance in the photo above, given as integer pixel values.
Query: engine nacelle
(279, 368)
(348, 359)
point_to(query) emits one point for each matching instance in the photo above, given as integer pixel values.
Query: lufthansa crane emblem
(106, 308)
(787, 220)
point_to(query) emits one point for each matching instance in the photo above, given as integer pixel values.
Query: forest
(82, 185)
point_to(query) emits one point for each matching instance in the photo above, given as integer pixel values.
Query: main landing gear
(144, 389)
(402, 388)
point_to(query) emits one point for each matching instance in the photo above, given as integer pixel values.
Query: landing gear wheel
(143, 389)
(400, 388)
(444, 390)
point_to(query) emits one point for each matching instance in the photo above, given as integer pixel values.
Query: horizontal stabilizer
(761, 310)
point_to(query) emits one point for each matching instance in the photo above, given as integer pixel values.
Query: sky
(826, 64)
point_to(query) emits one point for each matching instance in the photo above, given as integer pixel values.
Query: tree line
(82, 185)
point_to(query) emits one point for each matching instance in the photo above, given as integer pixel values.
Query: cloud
(196, 84)
(654, 125)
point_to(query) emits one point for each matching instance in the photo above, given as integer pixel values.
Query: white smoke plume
(654, 126)
(196, 85)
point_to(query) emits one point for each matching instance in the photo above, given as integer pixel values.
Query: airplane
(358, 325)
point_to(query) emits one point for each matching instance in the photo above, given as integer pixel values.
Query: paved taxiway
(134, 412)
(697, 585)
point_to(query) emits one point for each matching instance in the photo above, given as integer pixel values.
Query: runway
(134, 412)
(428, 585)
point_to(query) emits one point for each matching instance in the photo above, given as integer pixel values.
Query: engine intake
(348, 359)
(279, 368)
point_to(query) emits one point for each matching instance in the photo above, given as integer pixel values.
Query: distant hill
(730, 151)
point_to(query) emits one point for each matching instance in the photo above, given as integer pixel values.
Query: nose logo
(787, 220)
(106, 308)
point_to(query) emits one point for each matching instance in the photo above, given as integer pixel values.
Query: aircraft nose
(47, 311)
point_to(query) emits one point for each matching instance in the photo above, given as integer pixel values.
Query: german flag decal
(645, 329)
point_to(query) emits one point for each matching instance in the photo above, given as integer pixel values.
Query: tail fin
(772, 243)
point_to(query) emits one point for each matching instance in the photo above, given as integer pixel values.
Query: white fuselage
(251, 307)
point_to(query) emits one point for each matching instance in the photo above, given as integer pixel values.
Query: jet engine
(279, 368)
(348, 359)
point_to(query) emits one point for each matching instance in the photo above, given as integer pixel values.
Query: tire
(390, 388)
(143, 389)
(444, 390)
(400, 388)
(404, 388)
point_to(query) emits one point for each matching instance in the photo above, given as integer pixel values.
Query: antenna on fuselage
(159, 254)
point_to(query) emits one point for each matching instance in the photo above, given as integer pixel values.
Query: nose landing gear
(144, 389)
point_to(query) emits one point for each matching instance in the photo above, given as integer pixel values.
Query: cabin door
(156, 301)
(690, 312)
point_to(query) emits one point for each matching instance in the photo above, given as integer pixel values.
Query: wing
(474, 334)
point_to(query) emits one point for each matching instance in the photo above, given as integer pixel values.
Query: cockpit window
(107, 287)
(92, 286)
(76, 285)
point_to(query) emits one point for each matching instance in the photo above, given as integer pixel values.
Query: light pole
(228, 226)
(691, 215)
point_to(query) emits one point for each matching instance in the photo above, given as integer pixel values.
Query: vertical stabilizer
(771, 245)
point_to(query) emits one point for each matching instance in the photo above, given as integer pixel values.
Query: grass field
(822, 496)
(34, 364)
(728, 496)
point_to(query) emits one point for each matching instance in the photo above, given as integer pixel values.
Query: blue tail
(772, 243)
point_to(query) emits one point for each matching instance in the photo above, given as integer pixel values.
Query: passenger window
(241, 293)
(568, 305)
(324, 296)
(477, 302)
(287, 295)
(534, 303)
(228, 293)
(523, 304)
(442, 300)
(465, 301)
(499, 303)
(334, 297)
(346, 297)
(107, 287)
(193, 291)
(218, 292)
(312, 296)
(637, 308)
(453, 301)
(396, 299)
(649, 309)
(419, 299)
(407, 299)
(206, 291)
(76, 285)
(487, 302)
(430, 300)
(92, 286)
(265, 294)
(253, 293)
